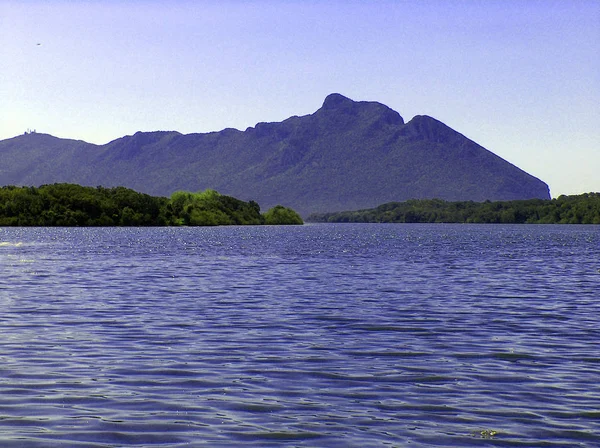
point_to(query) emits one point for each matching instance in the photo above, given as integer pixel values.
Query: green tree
(280, 215)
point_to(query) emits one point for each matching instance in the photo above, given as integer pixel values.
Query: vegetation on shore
(75, 205)
(576, 209)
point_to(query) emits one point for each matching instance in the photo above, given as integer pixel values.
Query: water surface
(320, 335)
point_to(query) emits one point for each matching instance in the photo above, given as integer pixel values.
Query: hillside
(347, 155)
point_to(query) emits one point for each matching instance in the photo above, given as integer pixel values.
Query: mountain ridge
(346, 155)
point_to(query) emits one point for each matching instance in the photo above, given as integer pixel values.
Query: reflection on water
(321, 335)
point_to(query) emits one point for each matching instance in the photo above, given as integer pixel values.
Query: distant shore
(575, 209)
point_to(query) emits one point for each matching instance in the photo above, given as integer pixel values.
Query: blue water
(320, 335)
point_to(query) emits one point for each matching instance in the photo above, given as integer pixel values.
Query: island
(71, 205)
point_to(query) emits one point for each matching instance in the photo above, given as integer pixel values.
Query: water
(321, 335)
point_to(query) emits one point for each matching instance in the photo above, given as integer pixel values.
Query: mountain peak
(335, 100)
(348, 155)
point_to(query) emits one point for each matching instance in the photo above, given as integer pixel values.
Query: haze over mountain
(347, 155)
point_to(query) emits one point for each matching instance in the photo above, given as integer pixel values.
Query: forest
(76, 205)
(575, 209)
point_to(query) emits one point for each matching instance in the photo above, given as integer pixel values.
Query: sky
(519, 77)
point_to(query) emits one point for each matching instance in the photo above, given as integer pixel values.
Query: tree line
(575, 209)
(76, 205)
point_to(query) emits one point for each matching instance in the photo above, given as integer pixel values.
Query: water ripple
(323, 335)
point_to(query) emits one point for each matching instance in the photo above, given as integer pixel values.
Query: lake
(333, 335)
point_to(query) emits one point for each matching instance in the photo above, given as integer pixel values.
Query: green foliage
(280, 215)
(210, 208)
(577, 209)
(75, 205)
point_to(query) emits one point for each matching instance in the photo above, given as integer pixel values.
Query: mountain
(347, 155)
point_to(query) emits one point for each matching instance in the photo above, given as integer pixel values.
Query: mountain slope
(347, 155)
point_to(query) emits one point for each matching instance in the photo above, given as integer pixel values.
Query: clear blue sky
(519, 77)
